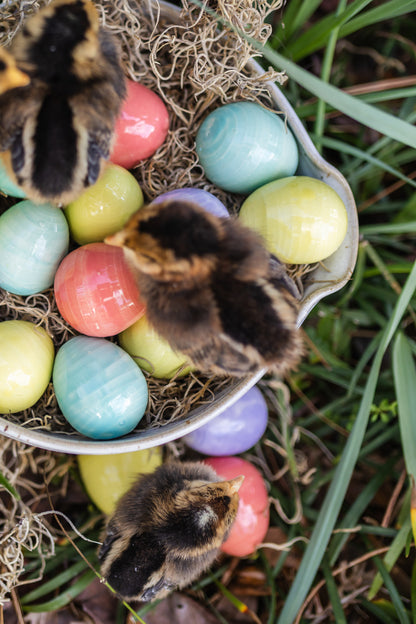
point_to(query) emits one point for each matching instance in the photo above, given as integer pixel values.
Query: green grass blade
(349, 22)
(8, 486)
(65, 598)
(338, 487)
(317, 35)
(377, 611)
(394, 552)
(413, 592)
(331, 587)
(384, 12)
(57, 581)
(345, 148)
(394, 594)
(389, 228)
(404, 372)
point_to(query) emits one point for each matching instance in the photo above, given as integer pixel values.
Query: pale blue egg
(206, 200)
(242, 146)
(235, 430)
(7, 185)
(33, 240)
(99, 388)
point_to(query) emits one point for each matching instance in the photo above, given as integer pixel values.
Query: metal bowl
(325, 282)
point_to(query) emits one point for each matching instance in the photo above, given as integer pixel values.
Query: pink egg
(141, 127)
(252, 520)
(96, 292)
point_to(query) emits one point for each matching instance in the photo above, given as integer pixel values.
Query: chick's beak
(13, 78)
(117, 239)
(236, 483)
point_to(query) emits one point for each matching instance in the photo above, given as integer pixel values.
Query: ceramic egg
(104, 208)
(33, 240)
(107, 477)
(252, 521)
(233, 431)
(96, 292)
(302, 220)
(99, 389)
(26, 360)
(151, 352)
(206, 200)
(7, 185)
(141, 128)
(242, 146)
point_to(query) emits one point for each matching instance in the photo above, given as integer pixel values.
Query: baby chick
(10, 75)
(211, 289)
(59, 128)
(167, 529)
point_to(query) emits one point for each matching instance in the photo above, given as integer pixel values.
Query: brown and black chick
(58, 129)
(211, 289)
(167, 529)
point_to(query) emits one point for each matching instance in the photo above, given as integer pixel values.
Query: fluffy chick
(59, 128)
(211, 289)
(167, 529)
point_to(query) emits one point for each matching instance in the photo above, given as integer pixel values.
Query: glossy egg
(33, 240)
(26, 360)
(235, 430)
(151, 352)
(141, 127)
(252, 521)
(206, 200)
(7, 185)
(104, 207)
(107, 477)
(301, 219)
(96, 292)
(242, 146)
(99, 389)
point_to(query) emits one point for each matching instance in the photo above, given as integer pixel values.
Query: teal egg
(242, 146)
(99, 388)
(7, 186)
(33, 240)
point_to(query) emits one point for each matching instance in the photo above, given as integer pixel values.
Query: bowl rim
(75, 444)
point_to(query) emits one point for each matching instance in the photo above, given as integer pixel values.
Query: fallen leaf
(178, 609)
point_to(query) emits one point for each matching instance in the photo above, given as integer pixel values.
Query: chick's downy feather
(211, 289)
(167, 529)
(59, 128)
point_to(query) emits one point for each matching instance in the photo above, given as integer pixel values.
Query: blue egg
(235, 430)
(100, 389)
(33, 240)
(242, 146)
(7, 185)
(206, 200)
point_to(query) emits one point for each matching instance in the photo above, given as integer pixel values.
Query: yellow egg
(302, 220)
(107, 477)
(104, 207)
(151, 352)
(26, 360)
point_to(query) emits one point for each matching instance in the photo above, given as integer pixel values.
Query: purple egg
(206, 200)
(234, 431)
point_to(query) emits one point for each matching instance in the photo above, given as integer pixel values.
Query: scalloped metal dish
(325, 282)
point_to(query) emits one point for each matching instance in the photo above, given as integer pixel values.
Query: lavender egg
(101, 391)
(206, 200)
(235, 430)
(33, 240)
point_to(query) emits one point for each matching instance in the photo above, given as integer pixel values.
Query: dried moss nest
(195, 67)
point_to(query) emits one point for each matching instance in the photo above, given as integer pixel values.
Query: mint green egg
(7, 186)
(33, 240)
(242, 146)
